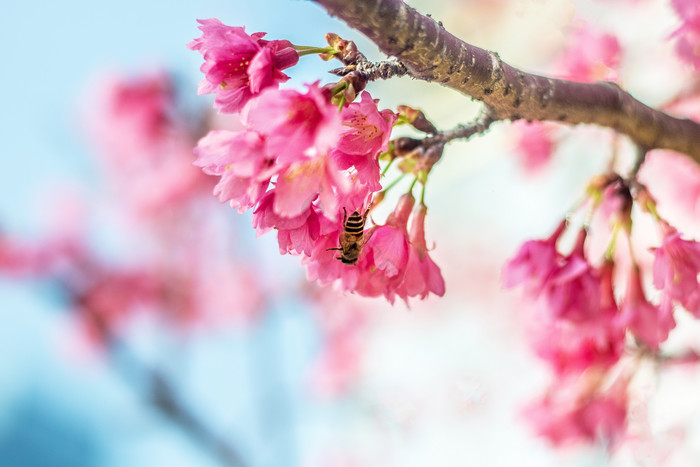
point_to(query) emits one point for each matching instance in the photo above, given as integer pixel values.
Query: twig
(161, 393)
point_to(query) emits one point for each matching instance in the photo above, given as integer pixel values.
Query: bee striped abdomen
(355, 224)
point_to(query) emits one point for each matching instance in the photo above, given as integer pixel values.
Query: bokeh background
(440, 383)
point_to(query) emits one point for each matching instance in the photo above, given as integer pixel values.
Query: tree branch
(431, 53)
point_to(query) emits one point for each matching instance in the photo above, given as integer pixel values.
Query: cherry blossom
(297, 126)
(573, 288)
(304, 181)
(294, 234)
(384, 264)
(232, 155)
(237, 65)
(422, 274)
(572, 347)
(649, 323)
(365, 135)
(534, 262)
(676, 269)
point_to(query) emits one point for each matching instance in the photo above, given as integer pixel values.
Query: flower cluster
(394, 261)
(583, 327)
(304, 167)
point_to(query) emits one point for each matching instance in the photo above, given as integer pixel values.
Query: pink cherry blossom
(303, 238)
(390, 241)
(238, 66)
(534, 262)
(288, 134)
(365, 135)
(688, 35)
(304, 181)
(576, 410)
(297, 126)
(573, 289)
(383, 266)
(676, 269)
(241, 159)
(649, 323)
(323, 265)
(576, 346)
(294, 234)
(422, 274)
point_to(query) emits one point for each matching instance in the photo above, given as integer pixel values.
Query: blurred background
(143, 323)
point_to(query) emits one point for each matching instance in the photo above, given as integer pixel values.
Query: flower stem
(410, 190)
(308, 50)
(341, 103)
(610, 250)
(394, 183)
(387, 167)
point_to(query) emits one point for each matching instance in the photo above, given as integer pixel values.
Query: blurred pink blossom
(535, 143)
(534, 263)
(577, 410)
(144, 145)
(676, 269)
(576, 346)
(573, 289)
(688, 34)
(648, 322)
(589, 56)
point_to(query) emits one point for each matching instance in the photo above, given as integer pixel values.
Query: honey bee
(352, 237)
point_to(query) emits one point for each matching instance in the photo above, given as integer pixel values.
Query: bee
(352, 237)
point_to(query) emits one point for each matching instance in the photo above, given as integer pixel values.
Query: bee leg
(338, 249)
(364, 218)
(367, 214)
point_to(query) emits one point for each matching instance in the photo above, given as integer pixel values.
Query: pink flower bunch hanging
(305, 163)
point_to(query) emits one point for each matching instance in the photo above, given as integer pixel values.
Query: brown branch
(431, 53)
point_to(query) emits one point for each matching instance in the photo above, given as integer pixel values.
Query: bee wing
(368, 234)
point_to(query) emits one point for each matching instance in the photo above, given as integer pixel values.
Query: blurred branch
(162, 395)
(431, 53)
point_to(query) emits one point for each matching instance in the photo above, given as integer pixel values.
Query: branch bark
(431, 53)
